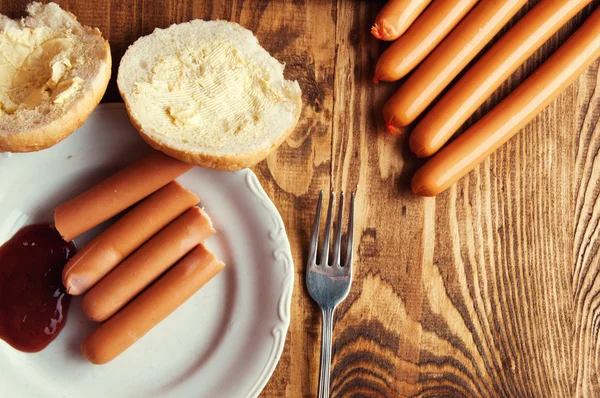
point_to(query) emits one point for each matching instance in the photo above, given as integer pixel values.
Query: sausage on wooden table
(445, 62)
(396, 16)
(420, 39)
(494, 67)
(507, 118)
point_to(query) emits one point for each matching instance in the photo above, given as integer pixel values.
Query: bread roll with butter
(205, 92)
(53, 72)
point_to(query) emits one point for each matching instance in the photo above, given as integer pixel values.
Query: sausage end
(420, 187)
(58, 225)
(395, 130)
(418, 148)
(93, 351)
(89, 307)
(73, 286)
(377, 32)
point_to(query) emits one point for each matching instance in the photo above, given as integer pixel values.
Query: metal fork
(329, 284)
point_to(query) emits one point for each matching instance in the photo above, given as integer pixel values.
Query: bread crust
(219, 162)
(60, 128)
(234, 160)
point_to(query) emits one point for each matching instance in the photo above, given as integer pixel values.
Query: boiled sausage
(116, 194)
(449, 59)
(483, 78)
(103, 253)
(146, 264)
(156, 303)
(508, 117)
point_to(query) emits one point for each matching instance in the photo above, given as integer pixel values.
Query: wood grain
(490, 289)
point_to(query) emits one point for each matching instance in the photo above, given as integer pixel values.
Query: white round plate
(223, 342)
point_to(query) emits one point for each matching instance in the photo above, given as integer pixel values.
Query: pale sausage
(447, 61)
(420, 39)
(103, 253)
(156, 303)
(396, 16)
(146, 264)
(483, 78)
(116, 194)
(505, 120)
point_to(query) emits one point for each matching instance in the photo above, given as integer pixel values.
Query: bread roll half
(207, 93)
(53, 73)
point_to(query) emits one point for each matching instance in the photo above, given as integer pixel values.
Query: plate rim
(283, 254)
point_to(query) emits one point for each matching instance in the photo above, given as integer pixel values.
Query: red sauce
(33, 301)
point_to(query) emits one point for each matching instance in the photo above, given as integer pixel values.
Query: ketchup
(33, 301)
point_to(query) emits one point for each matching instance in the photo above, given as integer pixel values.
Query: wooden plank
(299, 34)
(377, 328)
(491, 289)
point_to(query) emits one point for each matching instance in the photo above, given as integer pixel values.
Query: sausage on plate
(156, 303)
(146, 264)
(108, 249)
(117, 193)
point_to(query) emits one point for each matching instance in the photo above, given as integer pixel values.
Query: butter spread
(36, 66)
(212, 85)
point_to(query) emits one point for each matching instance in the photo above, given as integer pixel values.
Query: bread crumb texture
(208, 87)
(47, 62)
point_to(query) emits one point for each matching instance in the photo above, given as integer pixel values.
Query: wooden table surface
(490, 289)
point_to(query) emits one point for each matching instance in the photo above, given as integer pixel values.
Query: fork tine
(337, 242)
(325, 252)
(314, 240)
(350, 232)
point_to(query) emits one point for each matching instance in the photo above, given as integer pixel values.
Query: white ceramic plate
(223, 342)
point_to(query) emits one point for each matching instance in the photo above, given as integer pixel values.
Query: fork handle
(326, 342)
